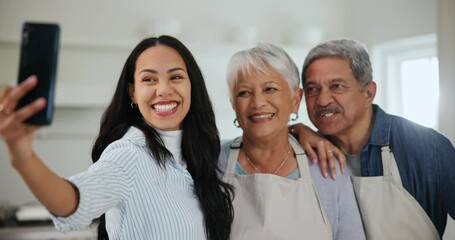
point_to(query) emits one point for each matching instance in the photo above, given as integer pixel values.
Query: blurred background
(411, 44)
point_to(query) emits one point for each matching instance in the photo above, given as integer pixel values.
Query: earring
(133, 105)
(236, 123)
(294, 116)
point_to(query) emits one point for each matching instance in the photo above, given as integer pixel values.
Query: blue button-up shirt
(425, 159)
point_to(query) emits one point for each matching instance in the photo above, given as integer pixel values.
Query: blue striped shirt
(141, 199)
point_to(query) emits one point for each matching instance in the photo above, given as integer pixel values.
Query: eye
(337, 87)
(176, 77)
(243, 93)
(311, 90)
(149, 79)
(270, 90)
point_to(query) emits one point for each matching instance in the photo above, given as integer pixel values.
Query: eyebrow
(336, 80)
(156, 72)
(307, 83)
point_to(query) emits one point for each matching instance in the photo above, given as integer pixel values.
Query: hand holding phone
(38, 56)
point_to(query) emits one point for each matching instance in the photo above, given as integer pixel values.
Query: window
(420, 90)
(407, 75)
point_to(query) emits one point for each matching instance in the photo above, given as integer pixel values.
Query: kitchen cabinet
(45, 233)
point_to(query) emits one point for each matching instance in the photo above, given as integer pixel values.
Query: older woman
(278, 193)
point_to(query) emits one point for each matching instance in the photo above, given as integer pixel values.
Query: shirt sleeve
(102, 186)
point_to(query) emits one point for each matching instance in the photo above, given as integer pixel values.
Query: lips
(261, 117)
(165, 108)
(327, 112)
(326, 115)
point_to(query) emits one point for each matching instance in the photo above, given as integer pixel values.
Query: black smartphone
(38, 56)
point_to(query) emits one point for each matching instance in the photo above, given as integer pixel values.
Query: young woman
(154, 172)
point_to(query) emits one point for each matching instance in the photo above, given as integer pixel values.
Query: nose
(164, 89)
(324, 98)
(258, 100)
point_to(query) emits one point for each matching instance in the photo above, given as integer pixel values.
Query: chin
(326, 130)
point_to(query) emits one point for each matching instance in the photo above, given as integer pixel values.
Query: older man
(402, 172)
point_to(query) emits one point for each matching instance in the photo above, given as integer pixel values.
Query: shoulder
(408, 130)
(405, 130)
(224, 155)
(131, 146)
(133, 137)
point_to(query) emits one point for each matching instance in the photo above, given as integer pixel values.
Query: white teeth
(165, 107)
(327, 115)
(262, 116)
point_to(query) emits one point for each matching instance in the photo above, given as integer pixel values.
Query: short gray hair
(264, 57)
(353, 51)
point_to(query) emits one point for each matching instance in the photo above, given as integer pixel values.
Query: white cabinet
(45, 233)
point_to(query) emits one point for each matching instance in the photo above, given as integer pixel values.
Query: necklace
(276, 170)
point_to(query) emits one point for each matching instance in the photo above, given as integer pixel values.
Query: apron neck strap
(389, 165)
(233, 155)
(302, 161)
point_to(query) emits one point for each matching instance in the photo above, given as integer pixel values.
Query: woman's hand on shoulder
(326, 150)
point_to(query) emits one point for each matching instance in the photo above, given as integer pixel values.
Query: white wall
(375, 22)
(446, 52)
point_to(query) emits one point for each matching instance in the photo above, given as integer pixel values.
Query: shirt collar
(382, 124)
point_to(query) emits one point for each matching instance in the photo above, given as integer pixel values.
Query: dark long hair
(200, 140)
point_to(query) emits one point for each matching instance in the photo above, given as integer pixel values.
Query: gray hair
(353, 51)
(264, 57)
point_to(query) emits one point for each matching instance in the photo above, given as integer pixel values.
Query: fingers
(326, 158)
(326, 151)
(10, 96)
(324, 162)
(12, 125)
(310, 152)
(341, 158)
(31, 109)
(17, 134)
(331, 163)
(22, 114)
(4, 109)
(5, 91)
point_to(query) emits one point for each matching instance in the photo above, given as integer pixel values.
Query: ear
(296, 99)
(370, 91)
(232, 103)
(131, 92)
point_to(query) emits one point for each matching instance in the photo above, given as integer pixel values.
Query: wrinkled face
(263, 103)
(162, 88)
(335, 103)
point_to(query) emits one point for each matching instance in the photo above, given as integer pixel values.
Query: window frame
(386, 61)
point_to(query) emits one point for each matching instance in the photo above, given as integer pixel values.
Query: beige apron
(388, 210)
(267, 206)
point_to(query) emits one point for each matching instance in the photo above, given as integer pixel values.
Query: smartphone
(38, 56)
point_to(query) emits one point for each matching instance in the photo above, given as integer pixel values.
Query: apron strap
(233, 156)
(300, 154)
(389, 165)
